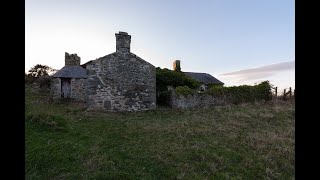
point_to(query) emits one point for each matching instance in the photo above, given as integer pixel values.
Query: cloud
(260, 72)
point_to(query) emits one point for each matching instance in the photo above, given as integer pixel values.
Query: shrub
(29, 79)
(185, 90)
(44, 83)
(243, 93)
(166, 77)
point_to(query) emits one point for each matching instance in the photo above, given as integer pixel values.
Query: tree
(40, 70)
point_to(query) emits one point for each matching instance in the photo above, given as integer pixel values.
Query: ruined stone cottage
(204, 79)
(120, 81)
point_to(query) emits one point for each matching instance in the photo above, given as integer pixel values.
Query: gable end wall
(121, 82)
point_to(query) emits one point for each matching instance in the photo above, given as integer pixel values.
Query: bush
(184, 90)
(166, 77)
(44, 83)
(29, 79)
(244, 93)
(214, 85)
(263, 90)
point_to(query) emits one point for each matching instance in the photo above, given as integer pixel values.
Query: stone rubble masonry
(123, 41)
(78, 88)
(55, 90)
(194, 101)
(72, 59)
(121, 81)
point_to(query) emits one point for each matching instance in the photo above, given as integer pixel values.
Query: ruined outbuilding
(204, 79)
(70, 81)
(120, 81)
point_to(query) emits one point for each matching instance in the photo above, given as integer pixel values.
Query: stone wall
(121, 81)
(78, 89)
(55, 89)
(194, 101)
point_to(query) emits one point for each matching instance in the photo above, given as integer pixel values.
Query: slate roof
(71, 72)
(85, 64)
(203, 78)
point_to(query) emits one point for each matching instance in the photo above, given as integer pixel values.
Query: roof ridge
(197, 72)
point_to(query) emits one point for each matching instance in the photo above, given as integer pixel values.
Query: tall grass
(245, 141)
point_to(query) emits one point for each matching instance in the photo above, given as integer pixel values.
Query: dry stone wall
(194, 100)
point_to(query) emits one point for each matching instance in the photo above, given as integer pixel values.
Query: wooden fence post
(276, 92)
(290, 95)
(284, 94)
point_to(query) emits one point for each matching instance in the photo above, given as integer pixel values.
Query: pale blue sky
(212, 36)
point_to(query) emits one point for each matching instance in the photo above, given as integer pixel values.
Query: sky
(237, 41)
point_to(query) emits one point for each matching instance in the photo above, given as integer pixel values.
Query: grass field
(247, 141)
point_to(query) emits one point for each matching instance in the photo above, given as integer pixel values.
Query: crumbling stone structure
(120, 81)
(194, 100)
(72, 59)
(70, 81)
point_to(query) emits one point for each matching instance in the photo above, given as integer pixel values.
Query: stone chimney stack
(176, 65)
(123, 42)
(72, 59)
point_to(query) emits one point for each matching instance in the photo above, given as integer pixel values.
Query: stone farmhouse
(120, 81)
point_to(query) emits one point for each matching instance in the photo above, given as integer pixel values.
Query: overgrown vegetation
(166, 77)
(44, 83)
(185, 91)
(40, 75)
(185, 85)
(246, 141)
(244, 93)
